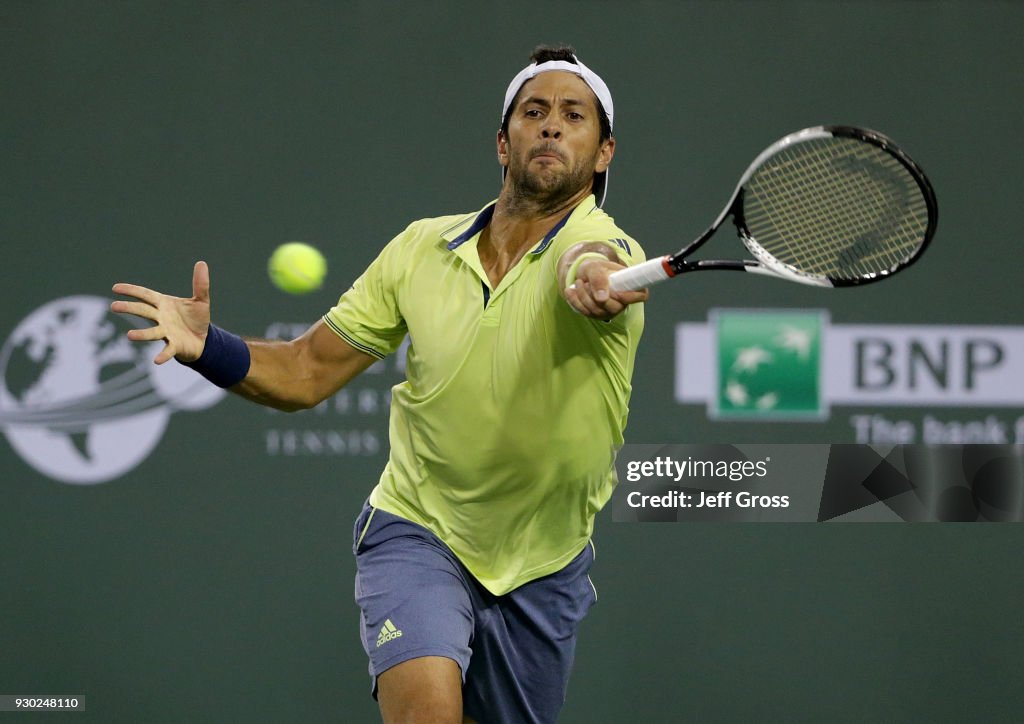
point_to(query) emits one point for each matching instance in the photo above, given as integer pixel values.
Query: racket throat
(718, 265)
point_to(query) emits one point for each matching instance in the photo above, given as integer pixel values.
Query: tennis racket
(828, 206)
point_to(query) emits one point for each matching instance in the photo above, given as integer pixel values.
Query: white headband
(589, 77)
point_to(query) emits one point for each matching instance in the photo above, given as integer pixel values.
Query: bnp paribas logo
(796, 364)
(769, 365)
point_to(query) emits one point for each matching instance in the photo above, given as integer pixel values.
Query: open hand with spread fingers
(182, 323)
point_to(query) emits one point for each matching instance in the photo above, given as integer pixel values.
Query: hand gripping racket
(828, 206)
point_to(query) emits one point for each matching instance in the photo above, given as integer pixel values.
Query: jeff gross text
(693, 470)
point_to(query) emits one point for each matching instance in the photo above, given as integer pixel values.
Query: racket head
(835, 206)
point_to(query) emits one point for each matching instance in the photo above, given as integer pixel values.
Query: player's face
(554, 147)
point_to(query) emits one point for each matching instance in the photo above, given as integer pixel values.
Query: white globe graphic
(82, 404)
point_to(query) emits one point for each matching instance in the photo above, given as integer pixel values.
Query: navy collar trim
(484, 218)
(551, 234)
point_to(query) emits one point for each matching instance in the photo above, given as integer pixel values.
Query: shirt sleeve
(368, 315)
(602, 231)
(626, 248)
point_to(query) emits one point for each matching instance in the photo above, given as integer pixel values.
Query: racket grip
(642, 275)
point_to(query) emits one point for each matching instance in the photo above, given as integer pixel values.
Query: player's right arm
(286, 375)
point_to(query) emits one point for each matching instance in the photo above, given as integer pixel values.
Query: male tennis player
(473, 549)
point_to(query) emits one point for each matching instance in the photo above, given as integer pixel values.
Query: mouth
(547, 156)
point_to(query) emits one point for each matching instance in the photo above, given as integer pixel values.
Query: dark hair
(544, 53)
(567, 53)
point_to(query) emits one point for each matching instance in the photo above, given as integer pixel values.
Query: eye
(574, 116)
(532, 113)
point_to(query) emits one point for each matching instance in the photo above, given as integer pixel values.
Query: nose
(552, 128)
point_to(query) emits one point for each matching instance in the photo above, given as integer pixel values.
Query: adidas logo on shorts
(387, 633)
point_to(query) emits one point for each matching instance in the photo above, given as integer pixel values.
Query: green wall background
(214, 581)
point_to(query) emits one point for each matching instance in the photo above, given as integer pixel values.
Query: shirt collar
(483, 218)
(456, 238)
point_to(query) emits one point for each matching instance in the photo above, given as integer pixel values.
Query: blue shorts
(417, 599)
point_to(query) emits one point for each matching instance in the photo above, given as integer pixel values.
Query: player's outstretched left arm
(589, 293)
(288, 376)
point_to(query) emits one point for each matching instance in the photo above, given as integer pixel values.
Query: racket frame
(666, 267)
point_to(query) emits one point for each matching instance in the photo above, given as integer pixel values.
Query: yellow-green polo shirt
(504, 433)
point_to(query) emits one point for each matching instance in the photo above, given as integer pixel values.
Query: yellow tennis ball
(297, 268)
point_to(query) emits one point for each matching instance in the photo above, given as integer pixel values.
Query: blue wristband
(225, 359)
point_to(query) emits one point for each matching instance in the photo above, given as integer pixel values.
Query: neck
(516, 204)
(520, 220)
(516, 226)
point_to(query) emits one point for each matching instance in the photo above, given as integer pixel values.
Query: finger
(201, 282)
(134, 290)
(572, 297)
(137, 308)
(596, 276)
(606, 309)
(591, 307)
(632, 297)
(166, 354)
(149, 334)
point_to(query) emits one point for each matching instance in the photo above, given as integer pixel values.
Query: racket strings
(831, 215)
(836, 208)
(849, 235)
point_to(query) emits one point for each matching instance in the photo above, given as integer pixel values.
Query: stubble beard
(546, 190)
